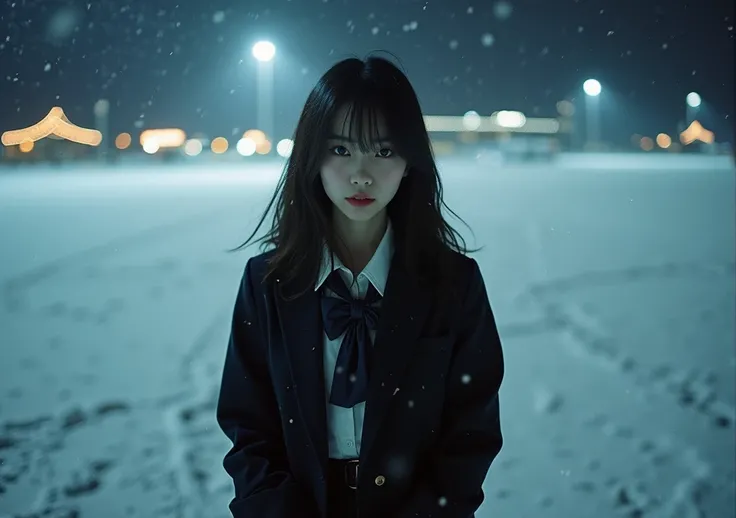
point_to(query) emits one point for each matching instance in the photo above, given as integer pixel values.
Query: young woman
(363, 368)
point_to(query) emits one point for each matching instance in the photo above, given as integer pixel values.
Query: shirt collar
(376, 271)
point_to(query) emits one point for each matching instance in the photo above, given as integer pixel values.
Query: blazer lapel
(301, 327)
(403, 311)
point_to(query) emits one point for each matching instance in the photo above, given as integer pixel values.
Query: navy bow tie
(355, 318)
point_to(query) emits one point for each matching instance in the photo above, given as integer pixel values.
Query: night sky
(187, 64)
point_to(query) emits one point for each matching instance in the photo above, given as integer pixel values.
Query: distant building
(52, 139)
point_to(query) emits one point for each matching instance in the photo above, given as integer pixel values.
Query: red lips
(360, 200)
(360, 196)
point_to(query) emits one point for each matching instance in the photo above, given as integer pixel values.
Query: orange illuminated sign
(55, 123)
(696, 131)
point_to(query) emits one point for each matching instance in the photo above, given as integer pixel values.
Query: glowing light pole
(592, 89)
(693, 102)
(264, 52)
(102, 124)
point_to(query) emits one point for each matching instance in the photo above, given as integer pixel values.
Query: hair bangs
(361, 122)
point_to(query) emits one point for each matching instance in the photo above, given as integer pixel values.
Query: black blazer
(431, 427)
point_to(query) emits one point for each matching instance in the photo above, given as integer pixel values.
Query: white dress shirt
(345, 425)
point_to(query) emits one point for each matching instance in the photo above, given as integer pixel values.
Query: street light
(264, 52)
(592, 89)
(693, 102)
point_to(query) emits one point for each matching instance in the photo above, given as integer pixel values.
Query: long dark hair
(302, 221)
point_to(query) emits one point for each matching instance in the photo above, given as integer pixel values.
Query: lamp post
(102, 124)
(693, 102)
(264, 52)
(592, 89)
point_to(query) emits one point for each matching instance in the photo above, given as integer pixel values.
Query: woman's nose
(361, 177)
(361, 180)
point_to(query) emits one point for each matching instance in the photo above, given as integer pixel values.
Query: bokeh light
(471, 120)
(246, 146)
(647, 144)
(219, 145)
(193, 147)
(123, 141)
(566, 108)
(151, 146)
(263, 148)
(664, 141)
(285, 147)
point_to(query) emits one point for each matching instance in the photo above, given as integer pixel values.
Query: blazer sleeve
(470, 434)
(247, 411)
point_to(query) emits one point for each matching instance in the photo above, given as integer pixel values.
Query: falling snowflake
(466, 379)
(470, 10)
(502, 10)
(454, 44)
(374, 30)
(47, 67)
(487, 39)
(580, 29)
(411, 26)
(665, 46)
(218, 17)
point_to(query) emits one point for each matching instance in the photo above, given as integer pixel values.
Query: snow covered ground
(614, 293)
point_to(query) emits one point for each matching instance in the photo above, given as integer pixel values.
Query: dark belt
(347, 469)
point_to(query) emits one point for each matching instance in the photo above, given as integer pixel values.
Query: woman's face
(349, 175)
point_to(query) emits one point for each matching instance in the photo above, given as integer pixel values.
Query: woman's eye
(339, 151)
(385, 153)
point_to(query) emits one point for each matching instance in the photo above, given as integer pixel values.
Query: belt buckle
(348, 464)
